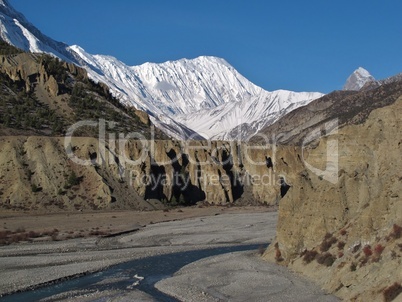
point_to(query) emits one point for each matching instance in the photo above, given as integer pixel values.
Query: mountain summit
(205, 94)
(173, 87)
(358, 79)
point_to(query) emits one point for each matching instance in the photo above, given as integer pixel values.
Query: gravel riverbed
(30, 265)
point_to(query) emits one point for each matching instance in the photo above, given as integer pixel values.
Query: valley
(106, 168)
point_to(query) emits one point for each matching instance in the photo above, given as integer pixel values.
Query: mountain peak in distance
(359, 78)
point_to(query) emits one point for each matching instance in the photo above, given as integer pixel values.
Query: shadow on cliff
(184, 192)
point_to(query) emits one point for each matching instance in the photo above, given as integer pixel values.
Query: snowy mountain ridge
(173, 87)
(184, 97)
(241, 120)
(206, 94)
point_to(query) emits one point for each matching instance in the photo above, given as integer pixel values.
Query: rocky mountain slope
(169, 89)
(340, 222)
(42, 95)
(338, 108)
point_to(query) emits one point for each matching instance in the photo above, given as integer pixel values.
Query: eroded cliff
(344, 230)
(80, 173)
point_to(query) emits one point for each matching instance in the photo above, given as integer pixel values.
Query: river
(127, 276)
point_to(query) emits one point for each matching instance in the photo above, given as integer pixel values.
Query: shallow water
(126, 276)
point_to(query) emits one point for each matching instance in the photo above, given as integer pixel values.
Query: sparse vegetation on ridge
(7, 49)
(72, 97)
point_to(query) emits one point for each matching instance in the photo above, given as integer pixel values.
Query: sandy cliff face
(88, 173)
(346, 233)
(30, 69)
(36, 174)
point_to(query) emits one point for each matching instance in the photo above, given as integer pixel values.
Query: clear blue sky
(287, 44)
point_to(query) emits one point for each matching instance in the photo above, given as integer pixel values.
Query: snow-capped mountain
(242, 119)
(361, 79)
(358, 79)
(185, 97)
(18, 31)
(206, 94)
(174, 87)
